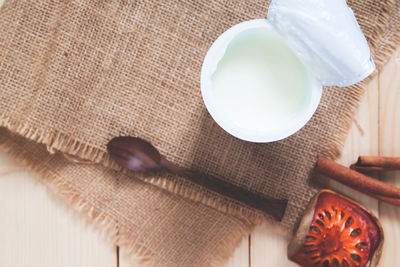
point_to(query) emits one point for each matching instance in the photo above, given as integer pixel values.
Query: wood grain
(389, 145)
(266, 246)
(240, 257)
(38, 229)
(57, 238)
(42, 231)
(362, 140)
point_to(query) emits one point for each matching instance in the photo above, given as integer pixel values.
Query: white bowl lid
(326, 36)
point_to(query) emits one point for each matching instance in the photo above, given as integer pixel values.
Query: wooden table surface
(37, 229)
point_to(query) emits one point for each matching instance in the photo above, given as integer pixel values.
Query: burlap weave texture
(74, 74)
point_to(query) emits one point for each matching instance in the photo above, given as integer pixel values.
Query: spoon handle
(274, 207)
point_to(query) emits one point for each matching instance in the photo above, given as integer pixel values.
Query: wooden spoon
(138, 155)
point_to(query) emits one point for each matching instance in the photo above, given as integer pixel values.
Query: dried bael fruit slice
(336, 232)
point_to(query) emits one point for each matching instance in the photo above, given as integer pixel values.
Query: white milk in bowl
(262, 79)
(259, 84)
(254, 85)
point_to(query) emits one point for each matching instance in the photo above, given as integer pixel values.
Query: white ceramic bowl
(214, 55)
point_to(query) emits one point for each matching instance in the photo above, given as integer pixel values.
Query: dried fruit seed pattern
(341, 234)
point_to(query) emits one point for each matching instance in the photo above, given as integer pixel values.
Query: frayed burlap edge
(78, 152)
(108, 228)
(64, 143)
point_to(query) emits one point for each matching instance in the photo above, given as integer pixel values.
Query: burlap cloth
(74, 74)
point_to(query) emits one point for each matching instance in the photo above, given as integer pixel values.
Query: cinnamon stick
(376, 163)
(356, 180)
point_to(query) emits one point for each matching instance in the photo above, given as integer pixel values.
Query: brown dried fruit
(336, 232)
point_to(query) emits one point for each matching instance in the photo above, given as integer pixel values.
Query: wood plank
(362, 140)
(240, 257)
(389, 137)
(38, 229)
(269, 247)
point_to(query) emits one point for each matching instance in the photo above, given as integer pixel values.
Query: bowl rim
(215, 53)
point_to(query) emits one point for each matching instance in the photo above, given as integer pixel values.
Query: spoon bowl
(134, 154)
